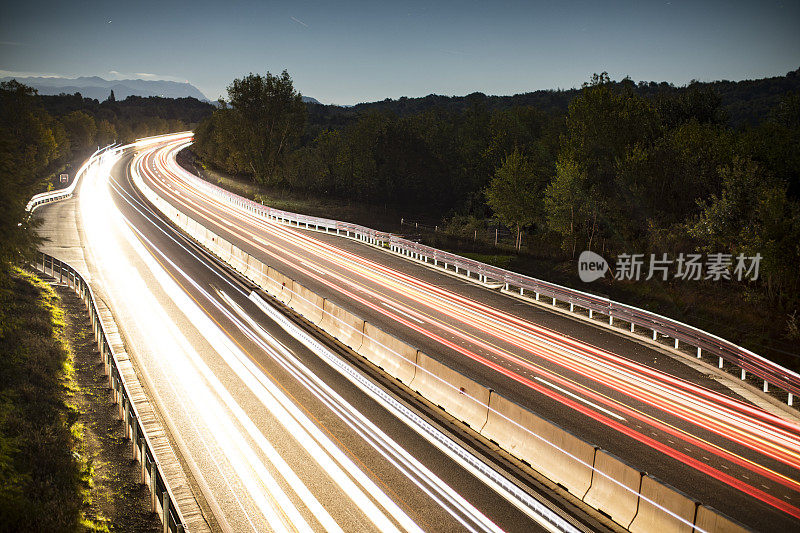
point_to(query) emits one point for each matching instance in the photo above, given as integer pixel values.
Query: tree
(603, 125)
(270, 116)
(30, 141)
(753, 214)
(111, 97)
(514, 194)
(81, 130)
(565, 202)
(106, 133)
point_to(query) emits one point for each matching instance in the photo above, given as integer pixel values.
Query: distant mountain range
(99, 88)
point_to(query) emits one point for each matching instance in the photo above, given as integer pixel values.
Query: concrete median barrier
(388, 352)
(280, 286)
(607, 495)
(239, 260)
(307, 303)
(180, 219)
(343, 325)
(554, 452)
(224, 249)
(201, 236)
(191, 228)
(667, 509)
(255, 271)
(460, 396)
(710, 520)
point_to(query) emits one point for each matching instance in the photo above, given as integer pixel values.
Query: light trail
(269, 494)
(441, 491)
(617, 384)
(737, 422)
(565, 343)
(431, 485)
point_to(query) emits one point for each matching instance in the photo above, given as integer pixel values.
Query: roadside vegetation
(45, 474)
(616, 167)
(48, 421)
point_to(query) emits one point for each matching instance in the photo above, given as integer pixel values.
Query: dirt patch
(117, 497)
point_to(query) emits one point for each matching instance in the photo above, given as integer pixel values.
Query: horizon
(6, 74)
(365, 52)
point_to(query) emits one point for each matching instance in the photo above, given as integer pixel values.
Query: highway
(273, 436)
(665, 417)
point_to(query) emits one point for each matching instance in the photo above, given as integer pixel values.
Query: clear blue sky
(366, 51)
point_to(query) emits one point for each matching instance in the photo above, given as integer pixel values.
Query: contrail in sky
(299, 22)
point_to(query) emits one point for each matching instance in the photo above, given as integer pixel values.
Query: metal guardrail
(748, 361)
(66, 192)
(162, 499)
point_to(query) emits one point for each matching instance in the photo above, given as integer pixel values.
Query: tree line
(41, 136)
(625, 167)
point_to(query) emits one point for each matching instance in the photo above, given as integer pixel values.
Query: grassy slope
(44, 477)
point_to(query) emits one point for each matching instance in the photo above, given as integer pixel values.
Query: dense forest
(41, 136)
(742, 102)
(614, 167)
(125, 120)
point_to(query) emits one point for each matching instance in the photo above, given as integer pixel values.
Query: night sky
(367, 51)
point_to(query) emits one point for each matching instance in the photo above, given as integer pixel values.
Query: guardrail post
(143, 460)
(134, 436)
(126, 415)
(676, 344)
(632, 326)
(590, 311)
(554, 301)
(766, 386)
(571, 307)
(153, 494)
(720, 362)
(165, 510)
(655, 334)
(610, 320)
(699, 352)
(744, 374)
(789, 399)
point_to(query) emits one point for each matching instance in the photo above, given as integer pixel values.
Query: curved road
(274, 438)
(659, 414)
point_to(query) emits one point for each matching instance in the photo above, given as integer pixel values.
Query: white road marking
(584, 400)
(393, 308)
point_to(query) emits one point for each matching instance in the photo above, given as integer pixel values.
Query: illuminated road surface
(275, 437)
(678, 425)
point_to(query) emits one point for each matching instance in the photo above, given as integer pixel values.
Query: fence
(163, 501)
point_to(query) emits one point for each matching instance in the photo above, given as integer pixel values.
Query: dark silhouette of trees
(614, 166)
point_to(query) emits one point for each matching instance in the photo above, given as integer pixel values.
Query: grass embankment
(383, 217)
(45, 478)
(734, 311)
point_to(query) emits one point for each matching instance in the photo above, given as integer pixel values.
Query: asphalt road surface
(275, 438)
(663, 416)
